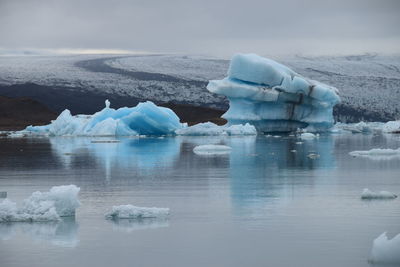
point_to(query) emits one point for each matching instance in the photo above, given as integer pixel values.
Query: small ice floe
(211, 129)
(208, 150)
(360, 127)
(134, 212)
(368, 194)
(377, 153)
(313, 156)
(105, 141)
(391, 127)
(293, 151)
(307, 136)
(60, 201)
(299, 143)
(385, 251)
(15, 135)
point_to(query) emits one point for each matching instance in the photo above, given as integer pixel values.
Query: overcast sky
(203, 26)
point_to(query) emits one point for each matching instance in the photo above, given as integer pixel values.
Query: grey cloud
(210, 27)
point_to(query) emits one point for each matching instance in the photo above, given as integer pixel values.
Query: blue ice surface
(274, 98)
(144, 119)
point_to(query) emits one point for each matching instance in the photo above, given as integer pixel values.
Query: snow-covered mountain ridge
(369, 85)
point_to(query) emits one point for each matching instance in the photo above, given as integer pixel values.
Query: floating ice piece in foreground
(209, 150)
(133, 212)
(368, 194)
(308, 136)
(144, 119)
(274, 98)
(377, 153)
(385, 251)
(209, 128)
(48, 206)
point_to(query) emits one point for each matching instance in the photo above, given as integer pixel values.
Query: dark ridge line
(99, 65)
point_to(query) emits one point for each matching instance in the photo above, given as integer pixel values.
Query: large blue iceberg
(144, 119)
(274, 98)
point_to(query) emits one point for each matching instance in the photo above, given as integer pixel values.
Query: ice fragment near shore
(48, 206)
(272, 97)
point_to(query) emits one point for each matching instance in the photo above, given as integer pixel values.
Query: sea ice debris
(386, 251)
(209, 128)
(377, 153)
(134, 212)
(391, 127)
(48, 206)
(368, 194)
(307, 136)
(209, 150)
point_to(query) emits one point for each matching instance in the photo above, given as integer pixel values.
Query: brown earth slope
(17, 113)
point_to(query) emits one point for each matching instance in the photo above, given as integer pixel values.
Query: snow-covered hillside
(369, 85)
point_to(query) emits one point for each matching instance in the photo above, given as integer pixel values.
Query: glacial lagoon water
(267, 203)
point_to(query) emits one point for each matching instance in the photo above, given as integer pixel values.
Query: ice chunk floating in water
(144, 119)
(307, 136)
(209, 150)
(368, 194)
(377, 153)
(209, 128)
(48, 206)
(385, 251)
(133, 212)
(272, 97)
(391, 127)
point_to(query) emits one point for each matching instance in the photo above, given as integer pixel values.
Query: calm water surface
(263, 205)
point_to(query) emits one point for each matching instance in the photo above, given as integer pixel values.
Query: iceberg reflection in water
(142, 154)
(271, 197)
(63, 233)
(130, 225)
(266, 170)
